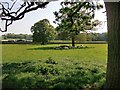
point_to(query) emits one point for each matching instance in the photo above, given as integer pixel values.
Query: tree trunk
(73, 41)
(113, 65)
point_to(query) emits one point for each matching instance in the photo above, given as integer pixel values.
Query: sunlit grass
(16, 53)
(38, 66)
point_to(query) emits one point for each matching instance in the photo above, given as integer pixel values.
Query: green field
(51, 68)
(15, 53)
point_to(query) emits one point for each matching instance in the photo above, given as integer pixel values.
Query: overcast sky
(24, 25)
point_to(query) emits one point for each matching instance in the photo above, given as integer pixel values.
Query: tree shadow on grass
(43, 75)
(42, 48)
(59, 48)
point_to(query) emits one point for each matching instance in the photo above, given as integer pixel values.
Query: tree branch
(9, 15)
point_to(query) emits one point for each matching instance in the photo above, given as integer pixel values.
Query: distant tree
(88, 37)
(4, 37)
(94, 36)
(74, 17)
(43, 31)
(62, 35)
(102, 37)
(80, 37)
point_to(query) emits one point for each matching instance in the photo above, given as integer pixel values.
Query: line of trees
(84, 36)
(17, 36)
(60, 36)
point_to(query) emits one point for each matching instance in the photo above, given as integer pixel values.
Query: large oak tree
(74, 17)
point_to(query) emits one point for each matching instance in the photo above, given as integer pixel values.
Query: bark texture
(113, 65)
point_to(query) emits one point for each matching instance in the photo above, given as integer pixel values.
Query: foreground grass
(34, 66)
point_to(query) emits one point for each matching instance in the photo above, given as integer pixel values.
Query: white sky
(24, 25)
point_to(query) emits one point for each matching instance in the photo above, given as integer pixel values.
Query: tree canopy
(43, 31)
(74, 17)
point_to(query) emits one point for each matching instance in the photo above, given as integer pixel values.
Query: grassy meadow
(16, 53)
(41, 66)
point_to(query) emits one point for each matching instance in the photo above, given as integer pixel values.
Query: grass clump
(51, 61)
(42, 75)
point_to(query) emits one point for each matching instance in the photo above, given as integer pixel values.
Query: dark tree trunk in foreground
(73, 41)
(113, 65)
